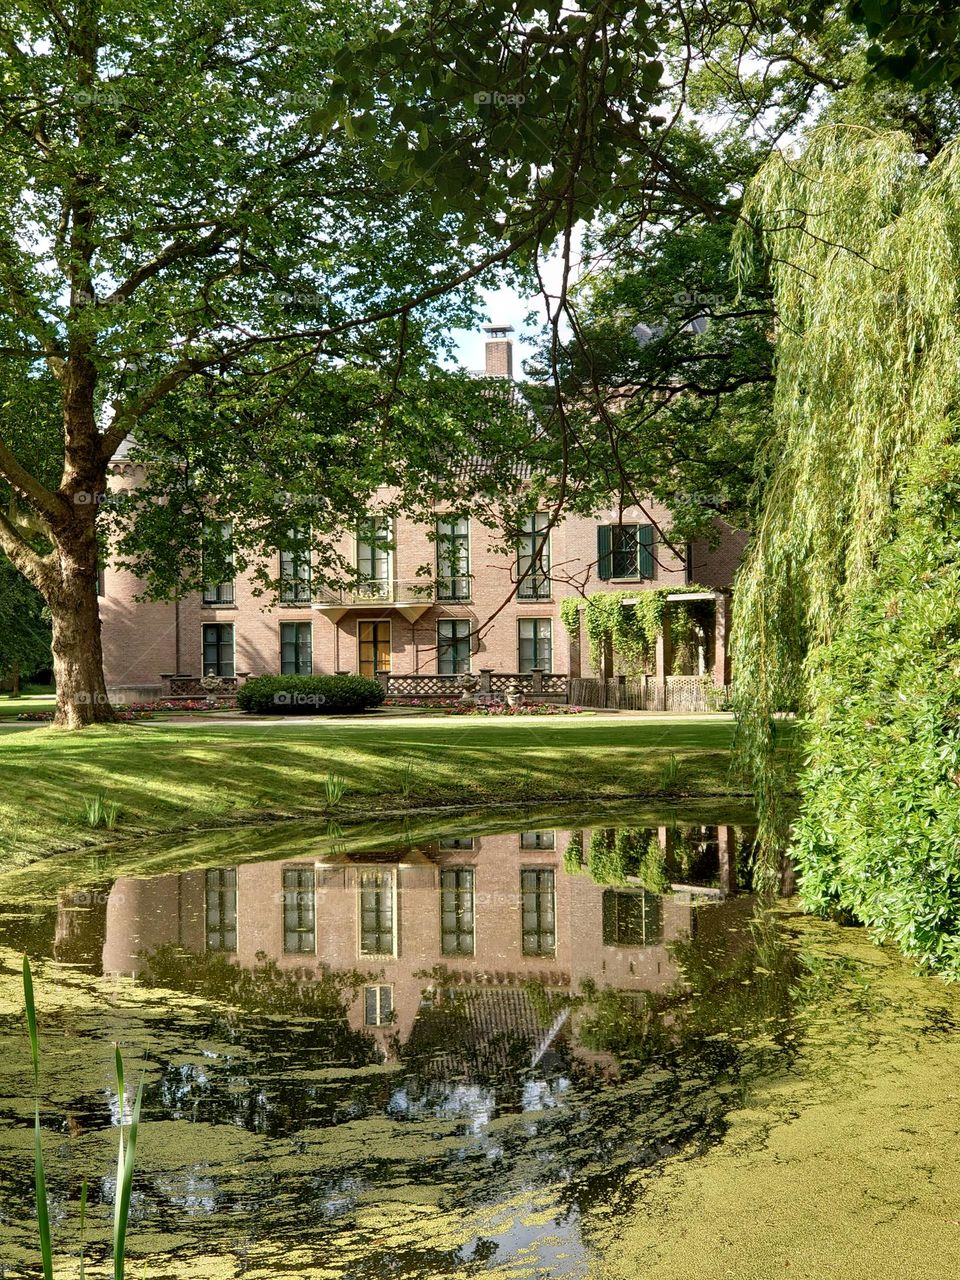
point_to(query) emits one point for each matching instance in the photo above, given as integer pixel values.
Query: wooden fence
(678, 693)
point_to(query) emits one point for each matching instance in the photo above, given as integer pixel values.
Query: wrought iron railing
(377, 591)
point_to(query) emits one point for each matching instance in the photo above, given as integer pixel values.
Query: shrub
(878, 837)
(309, 695)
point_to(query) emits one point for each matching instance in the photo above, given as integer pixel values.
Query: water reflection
(475, 1022)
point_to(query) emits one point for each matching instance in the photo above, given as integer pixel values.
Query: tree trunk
(15, 681)
(77, 652)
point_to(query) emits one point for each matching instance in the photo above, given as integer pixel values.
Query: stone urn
(469, 684)
(212, 686)
(514, 694)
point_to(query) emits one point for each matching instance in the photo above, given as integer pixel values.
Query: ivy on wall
(632, 629)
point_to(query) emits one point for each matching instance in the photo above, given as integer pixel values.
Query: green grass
(168, 777)
(11, 707)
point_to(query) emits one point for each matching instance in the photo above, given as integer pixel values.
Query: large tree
(242, 237)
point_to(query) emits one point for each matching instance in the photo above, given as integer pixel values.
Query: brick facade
(143, 641)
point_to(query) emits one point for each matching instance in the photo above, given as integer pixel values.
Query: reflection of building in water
(480, 914)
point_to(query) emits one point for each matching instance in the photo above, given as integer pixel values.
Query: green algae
(847, 1167)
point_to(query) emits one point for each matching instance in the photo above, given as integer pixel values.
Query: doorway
(374, 638)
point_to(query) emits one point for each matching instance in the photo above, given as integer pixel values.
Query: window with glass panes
(632, 919)
(453, 559)
(377, 1006)
(533, 558)
(625, 551)
(453, 646)
(455, 842)
(535, 644)
(373, 550)
(536, 839)
(217, 553)
(218, 649)
(295, 567)
(221, 909)
(538, 911)
(456, 911)
(299, 911)
(296, 648)
(376, 890)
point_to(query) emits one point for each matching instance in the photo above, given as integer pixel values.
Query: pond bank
(847, 1166)
(168, 778)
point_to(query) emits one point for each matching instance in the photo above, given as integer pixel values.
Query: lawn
(170, 777)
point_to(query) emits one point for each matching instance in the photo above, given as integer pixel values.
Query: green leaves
(126, 1156)
(39, 1176)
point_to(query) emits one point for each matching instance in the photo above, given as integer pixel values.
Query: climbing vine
(632, 628)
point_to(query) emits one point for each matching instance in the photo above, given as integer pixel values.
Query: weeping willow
(861, 238)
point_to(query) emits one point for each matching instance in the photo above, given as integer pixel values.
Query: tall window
(535, 644)
(373, 550)
(538, 909)
(374, 644)
(632, 919)
(296, 648)
(533, 558)
(625, 551)
(295, 567)
(299, 911)
(456, 911)
(453, 646)
(217, 555)
(221, 909)
(537, 839)
(377, 936)
(377, 1006)
(218, 659)
(453, 559)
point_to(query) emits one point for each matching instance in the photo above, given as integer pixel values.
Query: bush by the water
(309, 695)
(878, 838)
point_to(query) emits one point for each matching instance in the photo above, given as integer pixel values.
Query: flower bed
(123, 713)
(454, 707)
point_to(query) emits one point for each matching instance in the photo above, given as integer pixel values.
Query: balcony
(411, 598)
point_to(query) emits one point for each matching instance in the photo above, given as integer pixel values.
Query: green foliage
(24, 625)
(101, 812)
(618, 853)
(573, 854)
(126, 1155)
(334, 787)
(878, 837)
(309, 695)
(633, 628)
(867, 367)
(570, 616)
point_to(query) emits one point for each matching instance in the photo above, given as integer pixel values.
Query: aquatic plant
(334, 787)
(101, 812)
(126, 1156)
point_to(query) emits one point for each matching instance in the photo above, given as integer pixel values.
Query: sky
(506, 306)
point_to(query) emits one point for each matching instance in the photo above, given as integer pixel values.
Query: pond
(418, 1054)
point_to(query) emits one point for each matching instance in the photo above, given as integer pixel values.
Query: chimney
(499, 351)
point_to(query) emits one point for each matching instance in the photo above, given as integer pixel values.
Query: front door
(374, 648)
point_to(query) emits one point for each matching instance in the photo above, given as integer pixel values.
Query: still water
(418, 1057)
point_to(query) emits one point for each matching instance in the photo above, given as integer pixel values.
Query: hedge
(878, 838)
(309, 695)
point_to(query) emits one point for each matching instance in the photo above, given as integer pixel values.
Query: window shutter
(604, 552)
(645, 540)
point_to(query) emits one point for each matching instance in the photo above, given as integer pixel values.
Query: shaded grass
(169, 777)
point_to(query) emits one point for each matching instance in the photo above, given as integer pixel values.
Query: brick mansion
(485, 609)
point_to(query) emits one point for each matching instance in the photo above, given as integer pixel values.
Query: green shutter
(604, 552)
(645, 539)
